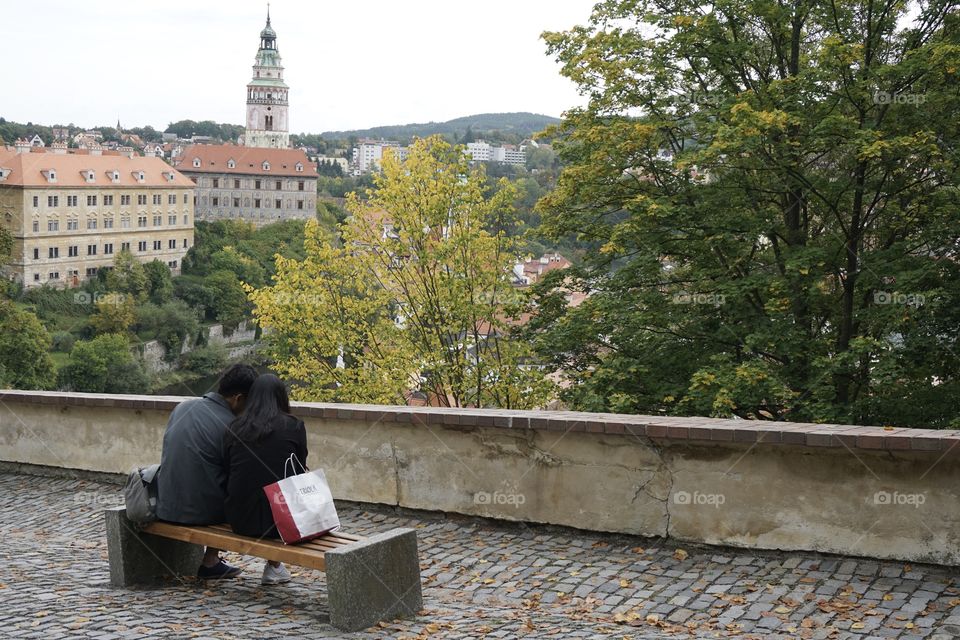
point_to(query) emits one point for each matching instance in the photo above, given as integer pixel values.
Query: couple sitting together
(219, 451)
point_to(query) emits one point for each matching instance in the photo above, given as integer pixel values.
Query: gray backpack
(140, 494)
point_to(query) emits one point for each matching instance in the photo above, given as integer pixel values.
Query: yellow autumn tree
(415, 294)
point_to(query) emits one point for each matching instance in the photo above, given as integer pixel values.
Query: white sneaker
(273, 575)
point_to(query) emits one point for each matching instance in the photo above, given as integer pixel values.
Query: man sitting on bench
(191, 485)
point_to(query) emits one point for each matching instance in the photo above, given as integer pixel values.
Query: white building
(512, 155)
(481, 151)
(368, 154)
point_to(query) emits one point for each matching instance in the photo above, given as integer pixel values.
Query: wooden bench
(368, 579)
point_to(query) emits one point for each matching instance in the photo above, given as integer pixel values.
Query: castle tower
(267, 124)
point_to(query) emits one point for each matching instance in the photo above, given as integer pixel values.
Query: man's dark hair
(266, 401)
(238, 378)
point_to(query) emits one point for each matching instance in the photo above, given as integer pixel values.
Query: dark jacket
(192, 481)
(253, 465)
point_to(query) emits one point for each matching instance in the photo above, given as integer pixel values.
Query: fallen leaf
(624, 583)
(681, 555)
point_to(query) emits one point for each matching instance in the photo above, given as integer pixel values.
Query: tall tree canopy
(417, 295)
(24, 344)
(774, 187)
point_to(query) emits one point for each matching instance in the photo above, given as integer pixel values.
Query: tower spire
(268, 14)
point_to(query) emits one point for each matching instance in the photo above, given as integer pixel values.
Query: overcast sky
(350, 65)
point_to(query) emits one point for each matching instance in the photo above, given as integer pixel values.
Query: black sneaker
(219, 571)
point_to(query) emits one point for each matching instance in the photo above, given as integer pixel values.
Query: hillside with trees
(506, 125)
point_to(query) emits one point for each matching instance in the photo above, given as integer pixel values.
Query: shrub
(63, 341)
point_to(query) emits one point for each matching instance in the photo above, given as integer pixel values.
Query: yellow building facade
(70, 214)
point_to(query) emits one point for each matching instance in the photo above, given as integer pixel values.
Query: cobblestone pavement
(481, 580)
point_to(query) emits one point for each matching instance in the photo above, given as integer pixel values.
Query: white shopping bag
(302, 505)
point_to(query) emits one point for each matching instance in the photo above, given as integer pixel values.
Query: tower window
(268, 123)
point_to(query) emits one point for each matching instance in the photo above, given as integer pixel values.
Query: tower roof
(268, 33)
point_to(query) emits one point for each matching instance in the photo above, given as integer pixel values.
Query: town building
(479, 151)
(257, 185)
(368, 154)
(262, 180)
(267, 97)
(531, 270)
(71, 211)
(483, 151)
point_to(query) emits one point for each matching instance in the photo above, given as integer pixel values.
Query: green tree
(159, 282)
(229, 305)
(773, 188)
(24, 344)
(127, 276)
(170, 323)
(206, 360)
(542, 158)
(330, 168)
(419, 290)
(115, 313)
(6, 244)
(242, 266)
(104, 365)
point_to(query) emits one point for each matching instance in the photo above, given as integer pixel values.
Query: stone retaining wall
(869, 491)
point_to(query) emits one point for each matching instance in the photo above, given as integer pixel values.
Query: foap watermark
(500, 498)
(895, 297)
(685, 297)
(694, 97)
(289, 297)
(895, 498)
(699, 499)
(97, 297)
(886, 97)
(97, 500)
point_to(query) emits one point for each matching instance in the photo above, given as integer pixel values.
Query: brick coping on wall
(661, 428)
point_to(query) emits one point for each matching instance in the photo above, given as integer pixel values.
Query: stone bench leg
(139, 558)
(374, 579)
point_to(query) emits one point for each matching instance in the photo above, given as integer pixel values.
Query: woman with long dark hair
(257, 445)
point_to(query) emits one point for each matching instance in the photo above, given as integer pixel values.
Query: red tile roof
(215, 158)
(31, 170)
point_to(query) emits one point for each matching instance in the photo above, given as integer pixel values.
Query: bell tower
(267, 124)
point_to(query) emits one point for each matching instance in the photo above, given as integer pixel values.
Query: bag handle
(292, 462)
